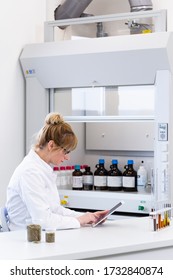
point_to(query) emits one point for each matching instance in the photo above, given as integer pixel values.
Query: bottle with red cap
(68, 176)
(63, 181)
(56, 170)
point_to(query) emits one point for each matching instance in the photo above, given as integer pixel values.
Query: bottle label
(142, 180)
(100, 181)
(114, 181)
(88, 179)
(128, 182)
(77, 182)
(142, 176)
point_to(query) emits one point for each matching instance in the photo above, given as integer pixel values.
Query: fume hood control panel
(163, 132)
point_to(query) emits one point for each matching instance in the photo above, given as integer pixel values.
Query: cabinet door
(122, 136)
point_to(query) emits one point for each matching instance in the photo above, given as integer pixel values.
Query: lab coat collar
(33, 154)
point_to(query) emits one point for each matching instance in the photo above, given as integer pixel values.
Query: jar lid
(56, 168)
(101, 161)
(77, 167)
(68, 167)
(62, 168)
(114, 161)
(130, 161)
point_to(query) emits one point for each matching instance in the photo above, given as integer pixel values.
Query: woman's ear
(51, 145)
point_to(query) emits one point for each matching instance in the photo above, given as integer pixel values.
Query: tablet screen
(108, 214)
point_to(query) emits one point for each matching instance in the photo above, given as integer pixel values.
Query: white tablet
(108, 214)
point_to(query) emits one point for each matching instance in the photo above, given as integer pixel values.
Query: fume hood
(107, 62)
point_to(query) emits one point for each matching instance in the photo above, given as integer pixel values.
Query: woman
(32, 193)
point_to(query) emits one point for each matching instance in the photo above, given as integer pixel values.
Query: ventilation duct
(140, 5)
(71, 9)
(74, 9)
(138, 26)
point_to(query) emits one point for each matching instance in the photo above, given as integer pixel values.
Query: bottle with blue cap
(130, 177)
(100, 176)
(87, 179)
(77, 182)
(114, 179)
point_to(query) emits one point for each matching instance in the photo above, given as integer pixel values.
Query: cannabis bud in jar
(34, 233)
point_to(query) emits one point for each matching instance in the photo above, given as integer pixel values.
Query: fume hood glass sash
(106, 103)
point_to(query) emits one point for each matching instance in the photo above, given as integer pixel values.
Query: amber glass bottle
(129, 178)
(77, 179)
(87, 179)
(100, 176)
(114, 179)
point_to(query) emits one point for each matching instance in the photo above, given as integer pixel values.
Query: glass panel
(106, 101)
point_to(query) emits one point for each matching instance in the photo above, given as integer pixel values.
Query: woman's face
(57, 155)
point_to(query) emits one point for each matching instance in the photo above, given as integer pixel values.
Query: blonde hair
(56, 129)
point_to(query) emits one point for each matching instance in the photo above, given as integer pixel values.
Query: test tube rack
(161, 218)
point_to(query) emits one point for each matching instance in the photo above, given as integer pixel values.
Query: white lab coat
(32, 194)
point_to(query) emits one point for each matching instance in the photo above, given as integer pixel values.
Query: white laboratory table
(116, 239)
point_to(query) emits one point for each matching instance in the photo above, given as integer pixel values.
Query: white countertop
(111, 240)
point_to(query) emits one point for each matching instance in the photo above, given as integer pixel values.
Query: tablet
(108, 214)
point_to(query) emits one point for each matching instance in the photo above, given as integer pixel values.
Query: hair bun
(54, 119)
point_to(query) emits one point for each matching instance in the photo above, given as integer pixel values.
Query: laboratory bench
(115, 239)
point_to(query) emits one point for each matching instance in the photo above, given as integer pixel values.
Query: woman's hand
(101, 214)
(91, 218)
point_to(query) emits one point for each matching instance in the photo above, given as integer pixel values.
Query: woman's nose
(67, 157)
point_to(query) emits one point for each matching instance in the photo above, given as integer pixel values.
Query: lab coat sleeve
(36, 198)
(68, 212)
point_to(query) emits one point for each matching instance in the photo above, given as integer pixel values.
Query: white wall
(20, 24)
(165, 4)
